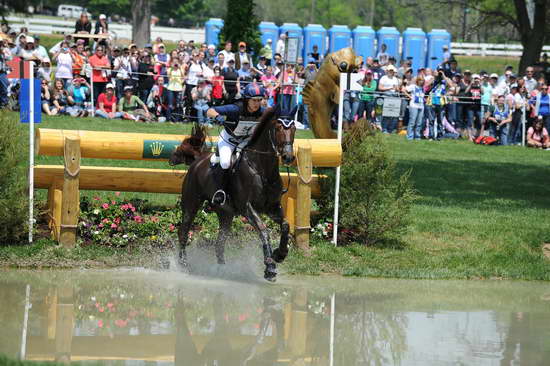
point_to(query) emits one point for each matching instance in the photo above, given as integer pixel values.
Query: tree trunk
(532, 38)
(141, 22)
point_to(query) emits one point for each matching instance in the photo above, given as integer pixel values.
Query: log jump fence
(64, 182)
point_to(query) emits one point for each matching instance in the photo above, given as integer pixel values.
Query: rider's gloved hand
(219, 119)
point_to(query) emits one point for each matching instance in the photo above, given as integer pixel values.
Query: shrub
(374, 200)
(13, 180)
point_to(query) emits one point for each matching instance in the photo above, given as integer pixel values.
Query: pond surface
(139, 317)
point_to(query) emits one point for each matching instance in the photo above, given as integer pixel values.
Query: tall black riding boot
(220, 179)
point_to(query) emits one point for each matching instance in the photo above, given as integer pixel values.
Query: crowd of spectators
(94, 76)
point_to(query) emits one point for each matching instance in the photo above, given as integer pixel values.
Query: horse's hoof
(279, 256)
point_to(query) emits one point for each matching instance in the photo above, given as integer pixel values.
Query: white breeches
(225, 149)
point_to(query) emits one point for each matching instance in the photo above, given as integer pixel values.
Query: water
(141, 317)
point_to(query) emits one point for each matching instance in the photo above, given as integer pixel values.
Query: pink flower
(121, 323)
(154, 219)
(101, 309)
(96, 198)
(117, 220)
(105, 206)
(105, 221)
(172, 227)
(190, 235)
(113, 226)
(113, 202)
(100, 323)
(124, 207)
(110, 305)
(100, 225)
(133, 209)
(117, 194)
(138, 218)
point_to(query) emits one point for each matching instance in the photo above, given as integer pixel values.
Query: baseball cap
(148, 45)
(375, 60)
(109, 86)
(211, 47)
(494, 76)
(128, 87)
(512, 76)
(269, 40)
(231, 60)
(476, 76)
(241, 44)
(29, 39)
(390, 68)
(369, 71)
(467, 71)
(161, 45)
(132, 45)
(246, 62)
(103, 16)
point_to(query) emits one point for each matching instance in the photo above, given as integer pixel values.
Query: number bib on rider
(245, 128)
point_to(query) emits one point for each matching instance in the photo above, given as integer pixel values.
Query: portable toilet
(363, 41)
(294, 30)
(414, 47)
(437, 38)
(390, 37)
(269, 31)
(314, 35)
(339, 37)
(212, 28)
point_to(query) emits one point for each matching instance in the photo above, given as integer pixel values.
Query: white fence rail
(119, 31)
(489, 49)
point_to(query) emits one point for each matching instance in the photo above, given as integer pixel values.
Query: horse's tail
(191, 148)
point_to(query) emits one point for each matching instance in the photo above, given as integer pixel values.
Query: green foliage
(13, 164)
(374, 201)
(241, 24)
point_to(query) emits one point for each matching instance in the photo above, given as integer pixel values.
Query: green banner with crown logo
(159, 149)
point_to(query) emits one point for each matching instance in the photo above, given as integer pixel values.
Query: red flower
(100, 323)
(138, 219)
(113, 226)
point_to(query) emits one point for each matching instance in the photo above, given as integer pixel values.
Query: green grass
(482, 212)
(488, 63)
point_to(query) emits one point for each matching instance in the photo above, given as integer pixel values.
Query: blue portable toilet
(294, 30)
(212, 28)
(269, 31)
(339, 37)
(363, 41)
(437, 38)
(314, 35)
(390, 37)
(414, 47)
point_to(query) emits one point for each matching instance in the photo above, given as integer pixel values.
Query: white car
(70, 11)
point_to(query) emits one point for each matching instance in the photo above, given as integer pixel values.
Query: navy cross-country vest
(244, 125)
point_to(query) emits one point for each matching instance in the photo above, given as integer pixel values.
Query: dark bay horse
(255, 186)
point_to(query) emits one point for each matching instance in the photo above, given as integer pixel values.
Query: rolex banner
(159, 149)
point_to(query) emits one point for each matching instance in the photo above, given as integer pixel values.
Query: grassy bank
(482, 212)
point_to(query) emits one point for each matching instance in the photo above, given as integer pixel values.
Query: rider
(238, 120)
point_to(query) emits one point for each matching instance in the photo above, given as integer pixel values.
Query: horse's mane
(265, 120)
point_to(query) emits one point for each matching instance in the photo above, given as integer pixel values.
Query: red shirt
(99, 76)
(217, 87)
(107, 103)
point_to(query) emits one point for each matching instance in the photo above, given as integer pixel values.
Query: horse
(255, 186)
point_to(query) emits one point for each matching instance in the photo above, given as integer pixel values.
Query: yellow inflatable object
(321, 93)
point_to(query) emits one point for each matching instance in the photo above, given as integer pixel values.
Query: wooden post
(289, 203)
(55, 197)
(71, 195)
(303, 197)
(64, 325)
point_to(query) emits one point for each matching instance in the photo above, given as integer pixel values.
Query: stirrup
(221, 191)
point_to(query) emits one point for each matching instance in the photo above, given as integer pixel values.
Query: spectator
(227, 55)
(182, 47)
(311, 70)
(40, 50)
(499, 117)
(280, 48)
(132, 107)
(369, 86)
(123, 70)
(537, 135)
(68, 38)
(79, 93)
(515, 129)
(437, 99)
(267, 52)
(176, 77)
(101, 26)
(83, 26)
(100, 71)
(45, 99)
(245, 73)
(316, 55)
(446, 54)
(262, 64)
(530, 82)
(377, 71)
(218, 89)
(157, 99)
(146, 72)
(60, 98)
(107, 104)
(231, 84)
(157, 44)
(211, 53)
(64, 59)
(45, 71)
(79, 60)
(415, 92)
(288, 89)
(383, 56)
(473, 106)
(545, 66)
(201, 98)
(162, 59)
(541, 106)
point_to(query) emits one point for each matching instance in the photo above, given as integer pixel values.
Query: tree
(241, 24)
(141, 22)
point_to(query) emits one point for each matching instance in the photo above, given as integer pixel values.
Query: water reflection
(148, 318)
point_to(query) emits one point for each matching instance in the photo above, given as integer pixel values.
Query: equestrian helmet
(253, 91)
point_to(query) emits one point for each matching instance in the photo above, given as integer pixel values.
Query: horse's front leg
(270, 272)
(225, 218)
(278, 215)
(189, 211)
